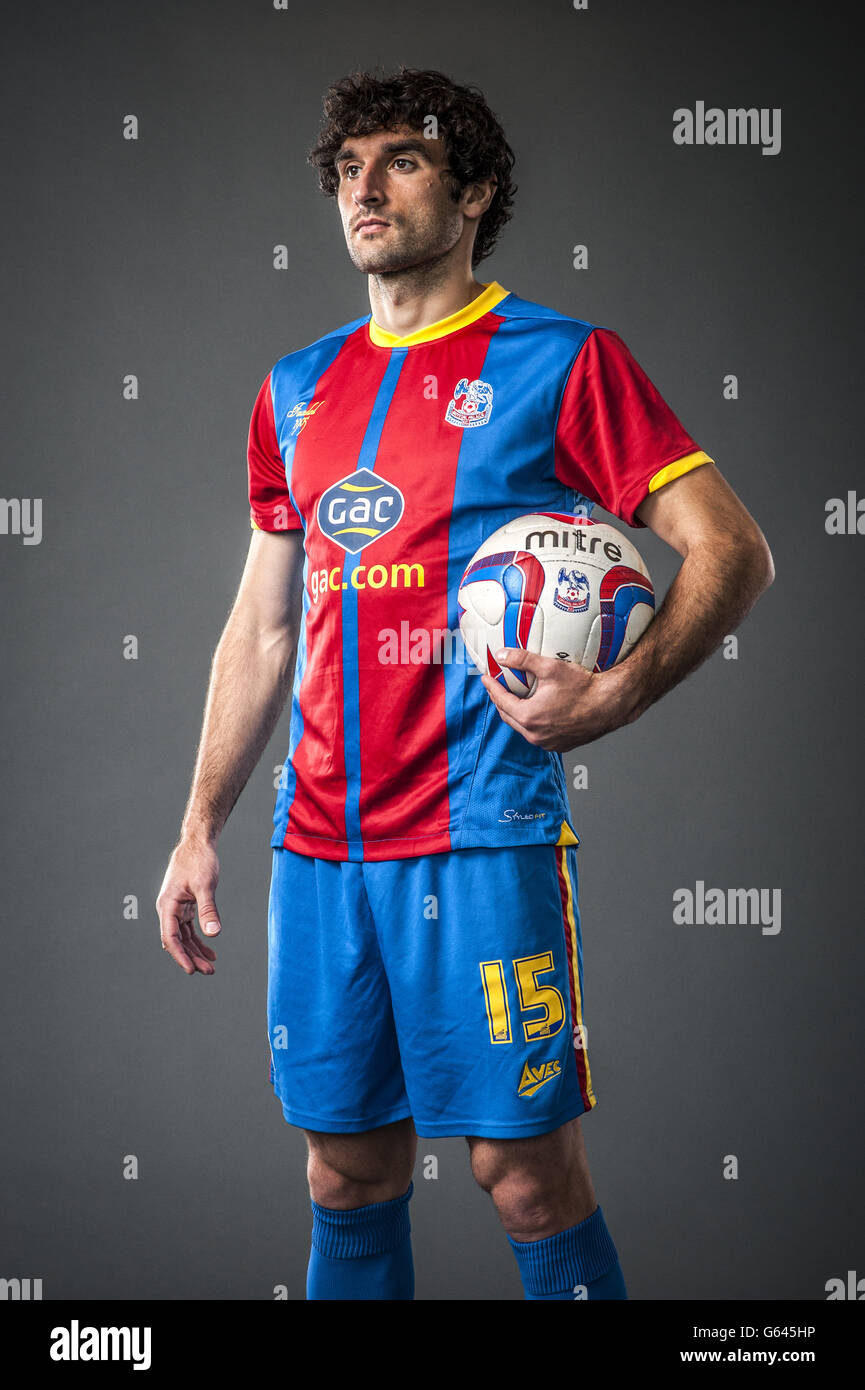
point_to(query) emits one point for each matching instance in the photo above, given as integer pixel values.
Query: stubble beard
(421, 257)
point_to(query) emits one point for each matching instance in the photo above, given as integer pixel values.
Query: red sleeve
(270, 507)
(616, 437)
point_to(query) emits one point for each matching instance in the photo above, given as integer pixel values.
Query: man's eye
(348, 170)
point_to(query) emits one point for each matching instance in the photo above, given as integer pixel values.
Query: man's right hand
(190, 880)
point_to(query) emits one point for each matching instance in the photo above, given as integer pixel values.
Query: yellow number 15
(531, 996)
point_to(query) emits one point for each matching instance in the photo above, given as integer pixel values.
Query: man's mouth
(369, 222)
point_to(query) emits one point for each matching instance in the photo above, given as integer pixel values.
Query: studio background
(155, 257)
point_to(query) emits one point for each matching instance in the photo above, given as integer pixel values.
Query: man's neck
(406, 303)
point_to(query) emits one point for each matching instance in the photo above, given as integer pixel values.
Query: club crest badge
(471, 404)
(572, 591)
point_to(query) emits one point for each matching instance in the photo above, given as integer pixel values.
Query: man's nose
(367, 188)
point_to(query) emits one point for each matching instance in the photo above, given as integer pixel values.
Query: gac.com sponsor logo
(395, 576)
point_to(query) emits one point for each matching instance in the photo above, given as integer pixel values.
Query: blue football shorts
(446, 987)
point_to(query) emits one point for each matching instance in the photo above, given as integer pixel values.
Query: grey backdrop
(154, 257)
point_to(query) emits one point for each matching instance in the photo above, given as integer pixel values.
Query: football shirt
(399, 456)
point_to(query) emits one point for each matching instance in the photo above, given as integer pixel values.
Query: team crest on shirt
(471, 404)
(359, 509)
(572, 591)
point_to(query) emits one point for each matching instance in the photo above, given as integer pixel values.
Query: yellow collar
(491, 295)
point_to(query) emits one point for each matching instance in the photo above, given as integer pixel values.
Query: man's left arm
(726, 566)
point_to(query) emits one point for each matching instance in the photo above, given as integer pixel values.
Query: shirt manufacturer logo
(359, 509)
(533, 1078)
(471, 404)
(301, 413)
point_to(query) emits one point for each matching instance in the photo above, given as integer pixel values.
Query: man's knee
(538, 1185)
(345, 1171)
(520, 1192)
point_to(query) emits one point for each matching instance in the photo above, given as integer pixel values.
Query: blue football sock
(580, 1263)
(362, 1253)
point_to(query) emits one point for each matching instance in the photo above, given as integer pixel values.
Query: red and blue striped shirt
(398, 457)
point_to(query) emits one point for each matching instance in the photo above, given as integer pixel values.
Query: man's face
(394, 202)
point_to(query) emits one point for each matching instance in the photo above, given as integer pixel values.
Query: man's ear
(477, 197)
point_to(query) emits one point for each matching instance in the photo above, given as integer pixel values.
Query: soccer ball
(558, 585)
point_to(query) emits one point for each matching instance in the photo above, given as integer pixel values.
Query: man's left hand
(569, 705)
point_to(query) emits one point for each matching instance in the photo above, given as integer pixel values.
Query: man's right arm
(250, 678)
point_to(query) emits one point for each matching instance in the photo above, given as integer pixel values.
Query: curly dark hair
(474, 142)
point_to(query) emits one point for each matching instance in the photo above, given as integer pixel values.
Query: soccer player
(425, 962)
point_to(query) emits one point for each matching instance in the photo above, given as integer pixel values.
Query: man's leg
(483, 954)
(543, 1193)
(360, 1186)
(335, 1067)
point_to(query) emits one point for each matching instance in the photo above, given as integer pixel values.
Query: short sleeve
(270, 507)
(616, 438)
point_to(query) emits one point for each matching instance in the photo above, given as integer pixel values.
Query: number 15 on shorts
(529, 995)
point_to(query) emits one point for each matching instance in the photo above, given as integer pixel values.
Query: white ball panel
(593, 643)
(486, 598)
(638, 620)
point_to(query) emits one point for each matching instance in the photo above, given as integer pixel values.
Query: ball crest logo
(359, 509)
(572, 591)
(471, 404)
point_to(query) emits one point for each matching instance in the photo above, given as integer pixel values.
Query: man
(425, 964)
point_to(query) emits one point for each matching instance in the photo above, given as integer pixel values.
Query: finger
(202, 966)
(517, 659)
(520, 728)
(208, 917)
(199, 954)
(173, 944)
(503, 699)
(201, 947)
(172, 913)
